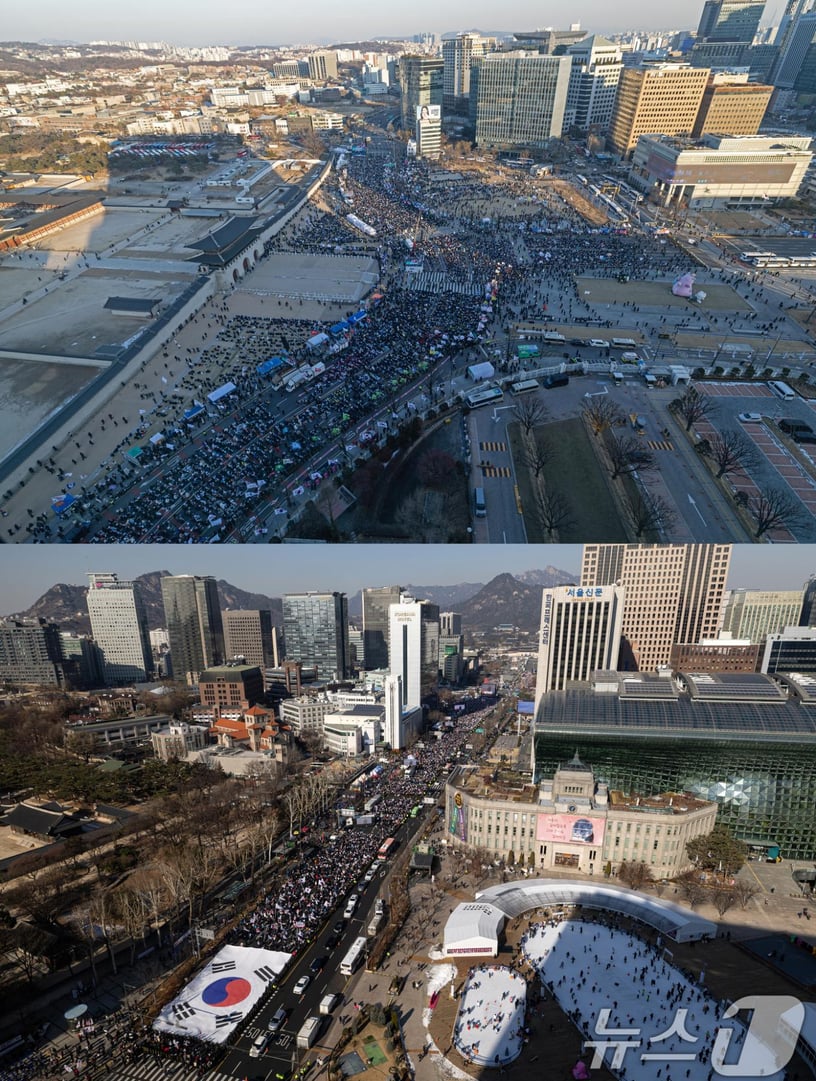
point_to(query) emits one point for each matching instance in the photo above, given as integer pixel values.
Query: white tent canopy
(473, 929)
(484, 370)
(221, 392)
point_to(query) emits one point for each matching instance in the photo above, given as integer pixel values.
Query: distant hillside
(65, 604)
(505, 599)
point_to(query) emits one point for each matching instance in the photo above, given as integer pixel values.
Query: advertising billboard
(571, 829)
(429, 112)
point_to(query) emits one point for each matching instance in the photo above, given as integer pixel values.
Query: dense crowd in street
(212, 476)
(297, 905)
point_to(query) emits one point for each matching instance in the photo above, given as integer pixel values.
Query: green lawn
(573, 471)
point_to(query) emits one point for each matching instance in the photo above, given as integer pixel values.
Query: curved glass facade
(766, 790)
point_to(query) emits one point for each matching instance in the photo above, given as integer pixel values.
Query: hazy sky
(249, 22)
(28, 571)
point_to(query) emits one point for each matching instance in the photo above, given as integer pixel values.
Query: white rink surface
(590, 968)
(489, 1025)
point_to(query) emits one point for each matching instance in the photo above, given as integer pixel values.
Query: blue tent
(191, 414)
(267, 366)
(339, 328)
(357, 317)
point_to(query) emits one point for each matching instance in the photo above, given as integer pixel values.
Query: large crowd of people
(205, 477)
(298, 903)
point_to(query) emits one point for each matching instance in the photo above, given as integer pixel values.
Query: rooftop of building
(512, 787)
(227, 671)
(734, 705)
(496, 784)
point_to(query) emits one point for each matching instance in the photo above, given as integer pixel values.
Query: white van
(328, 1003)
(479, 505)
(351, 904)
(782, 390)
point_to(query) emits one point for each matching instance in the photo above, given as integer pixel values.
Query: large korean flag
(221, 995)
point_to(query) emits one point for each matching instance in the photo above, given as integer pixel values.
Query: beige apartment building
(673, 593)
(663, 98)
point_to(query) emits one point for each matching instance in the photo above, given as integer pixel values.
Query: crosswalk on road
(660, 444)
(492, 444)
(496, 470)
(147, 1068)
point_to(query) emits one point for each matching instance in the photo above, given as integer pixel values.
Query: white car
(301, 985)
(599, 343)
(748, 418)
(259, 1045)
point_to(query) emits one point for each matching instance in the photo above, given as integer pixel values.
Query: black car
(804, 435)
(794, 426)
(318, 964)
(339, 927)
(332, 941)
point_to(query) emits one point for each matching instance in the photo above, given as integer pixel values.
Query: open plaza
(117, 325)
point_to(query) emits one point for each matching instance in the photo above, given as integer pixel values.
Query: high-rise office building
(376, 605)
(732, 106)
(450, 623)
(421, 80)
(807, 617)
(322, 66)
(192, 611)
(793, 9)
(316, 631)
(593, 83)
(730, 20)
(248, 634)
(793, 649)
(119, 628)
(518, 99)
(756, 613)
(580, 634)
(31, 652)
(457, 54)
(662, 98)
(673, 593)
(792, 56)
(413, 650)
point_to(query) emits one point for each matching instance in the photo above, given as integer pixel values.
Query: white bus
(623, 343)
(524, 387)
(351, 962)
(483, 397)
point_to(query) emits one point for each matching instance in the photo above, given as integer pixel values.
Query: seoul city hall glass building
(743, 740)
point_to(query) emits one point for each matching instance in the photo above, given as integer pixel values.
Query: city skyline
(324, 23)
(292, 568)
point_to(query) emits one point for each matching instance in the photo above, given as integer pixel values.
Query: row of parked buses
(490, 395)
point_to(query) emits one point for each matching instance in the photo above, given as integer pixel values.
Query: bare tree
(629, 455)
(635, 874)
(537, 456)
(730, 452)
(552, 511)
(692, 406)
(723, 900)
(773, 507)
(601, 414)
(530, 412)
(743, 892)
(691, 888)
(648, 514)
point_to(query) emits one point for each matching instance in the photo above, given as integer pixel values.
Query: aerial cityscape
(327, 833)
(531, 285)
(518, 307)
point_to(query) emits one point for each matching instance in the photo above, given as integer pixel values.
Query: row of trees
(731, 453)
